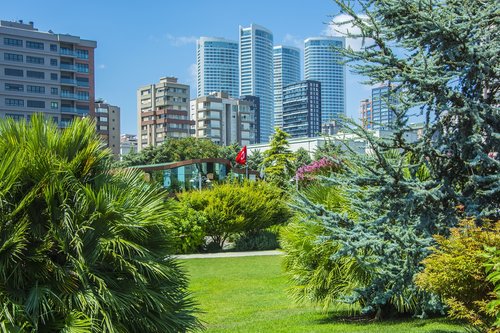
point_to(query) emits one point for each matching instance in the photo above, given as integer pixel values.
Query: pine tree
(443, 56)
(278, 160)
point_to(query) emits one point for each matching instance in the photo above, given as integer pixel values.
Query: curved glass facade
(256, 73)
(286, 71)
(322, 63)
(217, 66)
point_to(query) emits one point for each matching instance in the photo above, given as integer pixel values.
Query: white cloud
(342, 30)
(180, 40)
(293, 41)
(102, 66)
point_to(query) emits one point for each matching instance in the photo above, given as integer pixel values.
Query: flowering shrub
(322, 166)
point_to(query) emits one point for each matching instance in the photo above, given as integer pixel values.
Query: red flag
(241, 158)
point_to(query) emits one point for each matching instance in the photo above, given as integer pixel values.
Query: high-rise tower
(322, 63)
(286, 71)
(256, 74)
(217, 66)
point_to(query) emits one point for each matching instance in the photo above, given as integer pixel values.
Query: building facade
(108, 125)
(128, 144)
(322, 63)
(223, 120)
(256, 73)
(302, 109)
(163, 112)
(286, 61)
(255, 109)
(217, 65)
(384, 102)
(45, 72)
(365, 109)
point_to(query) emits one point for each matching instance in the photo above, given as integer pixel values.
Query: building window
(82, 54)
(14, 87)
(13, 42)
(13, 72)
(14, 102)
(35, 60)
(53, 76)
(82, 68)
(36, 104)
(35, 74)
(35, 89)
(53, 47)
(54, 91)
(53, 62)
(13, 57)
(83, 95)
(54, 105)
(103, 127)
(34, 45)
(103, 119)
(16, 117)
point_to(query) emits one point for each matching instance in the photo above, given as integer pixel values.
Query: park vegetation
(83, 248)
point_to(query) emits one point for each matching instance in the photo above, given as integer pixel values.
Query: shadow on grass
(348, 318)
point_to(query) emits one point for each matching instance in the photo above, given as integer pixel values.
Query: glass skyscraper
(286, 71)
(217, 66)
(256, 73)
(322, 63)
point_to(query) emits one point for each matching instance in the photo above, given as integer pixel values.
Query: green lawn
(248, 294)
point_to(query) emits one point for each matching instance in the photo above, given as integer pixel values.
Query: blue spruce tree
(443, 58)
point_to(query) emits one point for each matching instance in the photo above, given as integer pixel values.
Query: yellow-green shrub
(456, 272)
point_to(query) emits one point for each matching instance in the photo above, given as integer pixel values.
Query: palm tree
(83, 248)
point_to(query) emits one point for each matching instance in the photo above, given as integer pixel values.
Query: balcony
(66, 52)
(72, 82)
(67, 67)
(68, 109)
(68, 95)
(82, 84)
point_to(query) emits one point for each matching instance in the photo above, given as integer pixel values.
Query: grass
(248, 294)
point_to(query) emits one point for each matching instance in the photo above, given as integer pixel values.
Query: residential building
(322, 63)
(128, 144)
(163, 112)
(217, 65)
(45, 72)
(366, 113)
(107, 118)
(302, 109)
(223, 119)
(286, 62)
(256, 73)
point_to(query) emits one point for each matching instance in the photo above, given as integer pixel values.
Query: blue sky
(140, 41)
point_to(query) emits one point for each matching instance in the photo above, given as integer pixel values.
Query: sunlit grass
(248, 294)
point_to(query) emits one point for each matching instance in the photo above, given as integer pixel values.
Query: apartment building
(128, 144)
(45, 72)
(107, 118)
(162, 112)
(223, 119)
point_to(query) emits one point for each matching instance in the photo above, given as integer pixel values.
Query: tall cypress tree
(443, 56)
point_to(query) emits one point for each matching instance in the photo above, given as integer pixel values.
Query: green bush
(493, 271)
(231, 209)
(455, 271)
(257, 241)
(187, 226)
